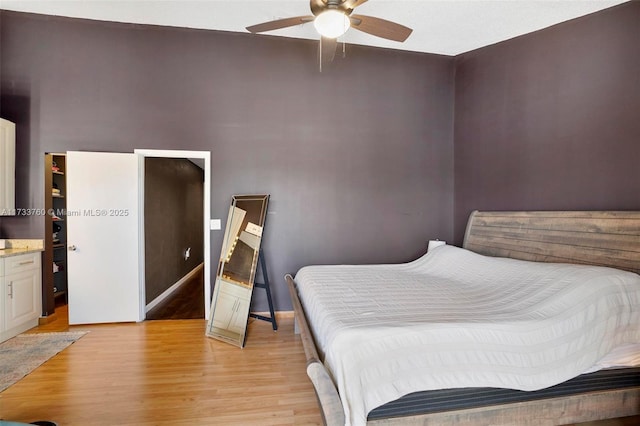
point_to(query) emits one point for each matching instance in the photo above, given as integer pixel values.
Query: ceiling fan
(332, 18)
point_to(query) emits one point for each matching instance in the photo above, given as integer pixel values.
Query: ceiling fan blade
(279, 23)
(328, 48)
(380, 27)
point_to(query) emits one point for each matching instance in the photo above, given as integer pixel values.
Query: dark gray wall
(173, 221)
(358, 159)
(551, 120)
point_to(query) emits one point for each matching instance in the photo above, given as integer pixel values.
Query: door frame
(206, 156)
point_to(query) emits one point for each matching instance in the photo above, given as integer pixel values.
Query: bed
(535, 320)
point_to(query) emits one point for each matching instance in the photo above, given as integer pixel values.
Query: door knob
(72, 248)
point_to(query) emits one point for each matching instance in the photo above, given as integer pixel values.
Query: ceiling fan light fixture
(332, 23)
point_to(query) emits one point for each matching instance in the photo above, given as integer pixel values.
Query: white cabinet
(7, 167)
(232, 306)
(20, 282)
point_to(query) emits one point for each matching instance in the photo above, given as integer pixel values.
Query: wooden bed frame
(604, 238)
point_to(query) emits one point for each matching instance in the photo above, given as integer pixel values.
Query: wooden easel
(265, 285)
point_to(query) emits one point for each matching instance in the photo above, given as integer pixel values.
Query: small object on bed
(435, 243)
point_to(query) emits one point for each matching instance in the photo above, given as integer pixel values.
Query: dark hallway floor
(186, 303)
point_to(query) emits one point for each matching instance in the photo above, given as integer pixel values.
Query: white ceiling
(447, 27)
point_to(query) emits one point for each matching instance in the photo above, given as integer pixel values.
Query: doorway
(201, 159)
(173, 234)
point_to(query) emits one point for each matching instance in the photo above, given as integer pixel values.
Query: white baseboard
(168, 292)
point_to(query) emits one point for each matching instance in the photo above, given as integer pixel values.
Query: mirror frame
(231, 300)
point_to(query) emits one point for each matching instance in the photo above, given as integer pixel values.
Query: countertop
(18, 247)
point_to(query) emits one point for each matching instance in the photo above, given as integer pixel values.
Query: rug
(22, 354)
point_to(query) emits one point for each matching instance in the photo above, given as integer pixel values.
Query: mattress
(457, 319)
(442, 400)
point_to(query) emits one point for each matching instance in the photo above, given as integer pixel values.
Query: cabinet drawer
(23, 262)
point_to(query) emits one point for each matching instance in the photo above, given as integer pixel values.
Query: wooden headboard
(604, 238)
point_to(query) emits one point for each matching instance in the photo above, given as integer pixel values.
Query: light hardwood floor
(169, 373)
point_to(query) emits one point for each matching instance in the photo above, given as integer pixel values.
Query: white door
(7, 167)
(103, 238)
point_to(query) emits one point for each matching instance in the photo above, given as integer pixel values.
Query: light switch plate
(215, 225)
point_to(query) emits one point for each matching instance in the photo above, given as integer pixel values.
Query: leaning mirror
(237, 269)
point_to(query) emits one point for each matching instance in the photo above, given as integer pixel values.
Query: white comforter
(454, 319)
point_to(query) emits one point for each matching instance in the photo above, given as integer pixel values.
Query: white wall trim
(168, 292)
